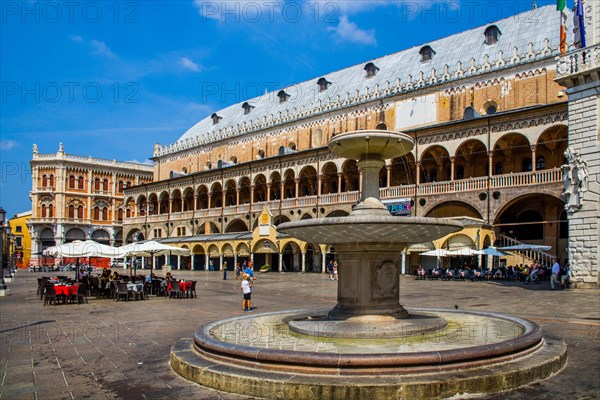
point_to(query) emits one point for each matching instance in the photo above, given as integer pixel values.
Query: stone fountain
(368, 345)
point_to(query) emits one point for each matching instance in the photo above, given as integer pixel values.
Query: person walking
(225, 271)
(247, 292)
(554, 279)
(330, 269)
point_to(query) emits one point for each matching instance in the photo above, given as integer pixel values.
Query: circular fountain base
(367, 326)
(474, 353)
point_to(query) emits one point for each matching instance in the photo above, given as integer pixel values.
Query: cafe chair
(50, 295)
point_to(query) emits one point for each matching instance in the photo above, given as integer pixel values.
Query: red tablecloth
(66, 290)
(185, 285)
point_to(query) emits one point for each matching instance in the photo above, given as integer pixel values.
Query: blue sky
(109, 79)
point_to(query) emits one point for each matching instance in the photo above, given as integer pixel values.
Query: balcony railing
(45, 189)
(521, 179)
(578, 62)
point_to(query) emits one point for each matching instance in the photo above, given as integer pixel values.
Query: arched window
(120, 215)
(371, 70)
(51, 181)
(526, 165)
(80, 183)
(43, 211)
(71, 211)
(492, 33)
(44, 181)
(128, 213)
(540, 163)
(105, 214)
(80, 212)
(120, 186)
(97, 184)
(105, 185)
(72, 182)
(96, 213)
(283, 96)
(323, 84)
(470, 113)
(426, 53)
(51, 211)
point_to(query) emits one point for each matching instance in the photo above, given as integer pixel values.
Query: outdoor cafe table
(66, 290)
(184, 286)
(135, 287)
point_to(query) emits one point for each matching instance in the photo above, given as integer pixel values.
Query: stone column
(418, 172)
(323, 262)
(209, 198)
(178, 262)
(388, 170)
(339, 182)
(268, 192)
(280, 262)
(206, 261)
(221, 262)
(579, 71)
(237, 197)
(192, 263)
(452, 161)
(297, 186)
(490, 163)
(533, 158)
(303, 262)
(403, 262)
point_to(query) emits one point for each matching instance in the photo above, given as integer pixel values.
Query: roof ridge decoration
(526, 37)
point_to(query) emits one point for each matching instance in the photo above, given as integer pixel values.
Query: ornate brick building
(490, 125)
(79, 198)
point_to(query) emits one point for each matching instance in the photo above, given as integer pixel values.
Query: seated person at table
(149, 278)
(105, 274)
(421, 271)
(115, 276)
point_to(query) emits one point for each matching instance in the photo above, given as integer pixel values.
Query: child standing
(247, 290)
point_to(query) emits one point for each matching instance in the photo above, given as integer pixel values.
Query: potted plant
(265, 268)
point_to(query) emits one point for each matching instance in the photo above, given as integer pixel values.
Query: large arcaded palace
(506, 141)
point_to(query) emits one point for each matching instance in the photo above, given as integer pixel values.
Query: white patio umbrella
(465, 251)
(436, 253)
(152, 248)
(491, 251)
(79, 248)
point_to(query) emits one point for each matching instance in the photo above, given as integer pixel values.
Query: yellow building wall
(23, 253)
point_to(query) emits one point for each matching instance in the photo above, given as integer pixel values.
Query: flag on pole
(560, 6)
(579, 23)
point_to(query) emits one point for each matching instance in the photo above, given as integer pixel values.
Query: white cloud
(101, 49)
(347, 30)
(8, 144)
(77, 39)
(189, 64)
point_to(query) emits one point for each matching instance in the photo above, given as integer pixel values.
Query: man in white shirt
(555, 274)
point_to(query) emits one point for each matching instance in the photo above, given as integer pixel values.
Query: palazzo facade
(79, 198)
(490, 126)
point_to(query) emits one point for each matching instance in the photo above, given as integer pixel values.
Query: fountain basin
(260, 356)
(370, 229)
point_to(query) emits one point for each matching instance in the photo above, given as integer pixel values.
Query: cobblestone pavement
(114, 350)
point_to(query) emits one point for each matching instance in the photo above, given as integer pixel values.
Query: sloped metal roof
(525, 37)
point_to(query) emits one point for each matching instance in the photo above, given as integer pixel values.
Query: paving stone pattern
(120, 350)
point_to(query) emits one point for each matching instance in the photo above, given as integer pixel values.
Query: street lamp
(9, 262)
(3, 288)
